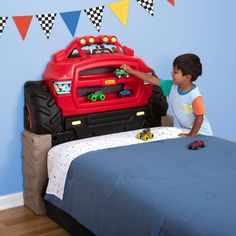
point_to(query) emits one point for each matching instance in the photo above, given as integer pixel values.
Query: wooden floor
(23, 222)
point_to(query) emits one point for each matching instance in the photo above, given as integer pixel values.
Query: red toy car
(59, 102)
(196, 144)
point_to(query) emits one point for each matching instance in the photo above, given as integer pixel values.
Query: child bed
(159, 187)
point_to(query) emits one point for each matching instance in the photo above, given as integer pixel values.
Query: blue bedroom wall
(206, 28)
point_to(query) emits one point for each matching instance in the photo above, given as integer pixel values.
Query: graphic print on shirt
(188, 109)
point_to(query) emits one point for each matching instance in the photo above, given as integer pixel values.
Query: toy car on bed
(145, 135)
(59, 104)
(196, 145)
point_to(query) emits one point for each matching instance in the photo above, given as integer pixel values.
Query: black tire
(41, 113)
(158, 106)
(159, 101)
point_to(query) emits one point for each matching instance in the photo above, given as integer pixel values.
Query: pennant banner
(95, 14)
(71, 20)
(46, 21)
(172, 2)
(3, 21)
(22, 24)
(147, 5)
(121, 10)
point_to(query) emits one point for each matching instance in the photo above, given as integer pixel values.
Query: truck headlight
(62, 87)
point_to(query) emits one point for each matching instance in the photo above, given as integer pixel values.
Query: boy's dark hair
(189, 64)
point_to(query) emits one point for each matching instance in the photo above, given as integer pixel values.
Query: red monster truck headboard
(85, 93)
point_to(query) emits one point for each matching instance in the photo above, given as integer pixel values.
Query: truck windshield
(99, 49)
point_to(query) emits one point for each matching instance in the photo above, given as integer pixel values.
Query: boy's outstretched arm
(141, 75)
(196, 127)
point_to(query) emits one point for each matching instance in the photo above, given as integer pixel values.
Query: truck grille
(104, 89)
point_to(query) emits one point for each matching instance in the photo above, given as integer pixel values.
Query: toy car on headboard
(59, 103)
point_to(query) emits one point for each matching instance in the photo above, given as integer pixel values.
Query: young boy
(184, 96)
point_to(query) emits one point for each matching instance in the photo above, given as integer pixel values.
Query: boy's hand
(196, 126)
(127, 68)
(184, 135)
(141, 75)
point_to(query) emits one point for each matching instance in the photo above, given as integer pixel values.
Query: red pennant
(172, 2)
(22, 24)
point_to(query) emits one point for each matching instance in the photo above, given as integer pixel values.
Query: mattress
(61, 156)
(158, 188)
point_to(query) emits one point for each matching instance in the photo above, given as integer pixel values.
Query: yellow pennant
(121, 9)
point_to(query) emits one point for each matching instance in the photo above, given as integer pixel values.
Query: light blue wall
(203, 27)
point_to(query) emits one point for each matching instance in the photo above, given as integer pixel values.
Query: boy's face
(178, 77)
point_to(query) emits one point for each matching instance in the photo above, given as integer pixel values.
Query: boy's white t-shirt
(184, 105)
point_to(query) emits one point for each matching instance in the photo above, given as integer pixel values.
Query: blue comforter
(151, 189)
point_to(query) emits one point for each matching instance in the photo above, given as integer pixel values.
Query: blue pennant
(71, 20)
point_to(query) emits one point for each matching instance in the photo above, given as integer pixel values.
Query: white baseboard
(11, 200)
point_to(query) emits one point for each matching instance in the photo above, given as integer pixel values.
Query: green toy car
(145, 135)
(118, 73)
(98, 95)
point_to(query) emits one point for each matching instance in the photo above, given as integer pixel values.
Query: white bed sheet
(61, 156)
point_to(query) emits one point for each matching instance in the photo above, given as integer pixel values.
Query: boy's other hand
(127, 68)
(184, 135)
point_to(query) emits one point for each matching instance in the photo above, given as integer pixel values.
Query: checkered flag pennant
(46, 21)
(95, 14)
(147, 5)
(3, 21)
